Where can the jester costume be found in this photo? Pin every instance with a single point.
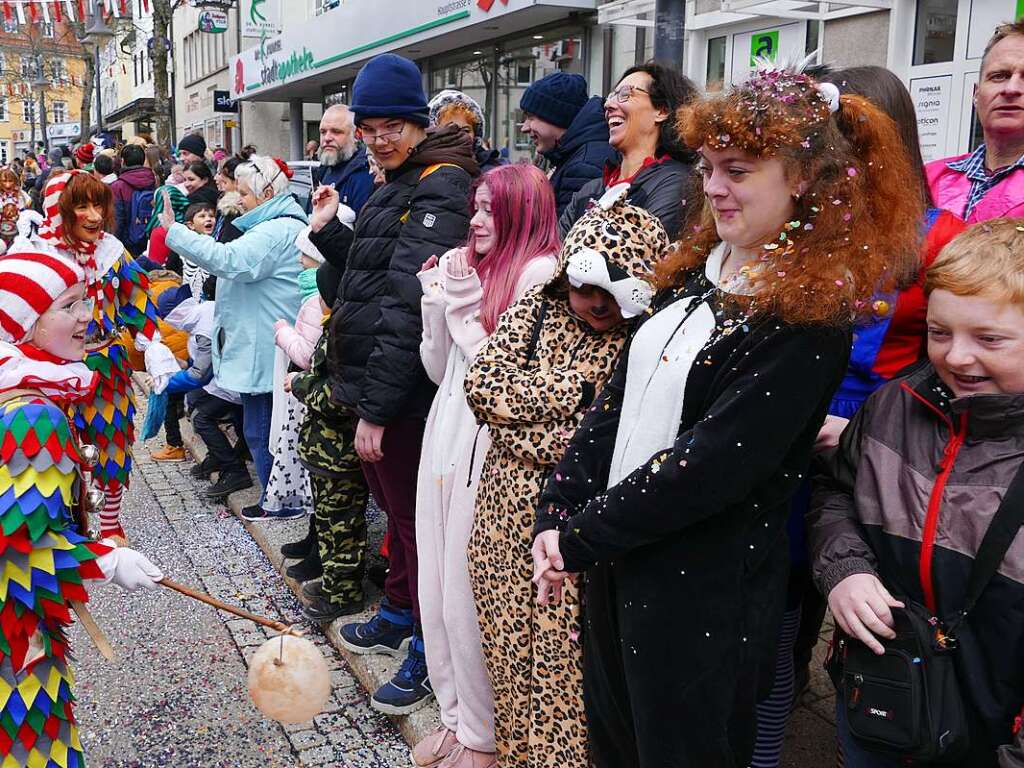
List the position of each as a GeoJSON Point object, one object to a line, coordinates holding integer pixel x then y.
{"type": "Point", "coordinates": [120, 289]}
{"type": "Point", "coordinates": [44, 564]}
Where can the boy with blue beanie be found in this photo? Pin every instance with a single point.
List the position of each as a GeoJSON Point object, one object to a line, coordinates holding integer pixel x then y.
{"type": "Point", "coordinates": [568, 128]}
{"type": "Point", "coordinates": [374, 333]}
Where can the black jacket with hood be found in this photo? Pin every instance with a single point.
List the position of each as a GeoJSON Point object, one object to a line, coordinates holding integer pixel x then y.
{"type": "Point", "coordinates": [375, 328]}
{"type": "Point", "coordinates": [580, 155]}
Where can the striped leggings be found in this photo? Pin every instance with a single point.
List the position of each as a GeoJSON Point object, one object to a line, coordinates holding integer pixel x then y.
{"type": "Point", "coordinates": [773, 712]}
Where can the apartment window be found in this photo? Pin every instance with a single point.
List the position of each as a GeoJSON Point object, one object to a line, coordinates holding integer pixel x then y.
{"type": "Point", "coordinates": [3, 63]}
{"type": "Point", "coordinates": [135, 70]}
{"type": "Point", "coordinates": [59, 110]}
{"type": "Point", "coordinates": [10, 27]}
{"type": "Point", "coordinates": [5, 152]}
{"type": "Point", "coordinates": [28, 110]}
{"type": "Point", "coordinates": [28, 67]}
{"type": "Point", "coordinates": [46, 28]}
{"type": "Point", "coordinates": [60, 71]}
{"type": "Point", "coordinates": [3, 110]}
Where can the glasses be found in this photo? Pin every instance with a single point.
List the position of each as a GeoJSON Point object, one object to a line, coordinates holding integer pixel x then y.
{"type": "Point", "coordinates": [387, 136]}
{"type": "Point", "coordinates": [624, 93]}
{"type": "Point", "coordinates": [81, 309]}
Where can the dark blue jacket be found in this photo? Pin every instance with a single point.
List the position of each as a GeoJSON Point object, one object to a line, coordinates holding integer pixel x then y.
{"type": "Point", "coordinates": [581, 153]}
{"type": "Point", "coordinates": [352, 179]}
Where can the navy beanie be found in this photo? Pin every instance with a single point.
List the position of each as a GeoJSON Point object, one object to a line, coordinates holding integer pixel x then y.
{"type": "Point", "coordinates": [193, 143]}
{"type": "Point", "coordinates": [390, 86]}
{"type": "Point", "coordinates": [556, 98]}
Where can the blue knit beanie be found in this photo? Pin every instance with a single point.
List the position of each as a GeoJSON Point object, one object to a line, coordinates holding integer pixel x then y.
{"type": "Point", "coordinates": [390, 86]}
{"type": "Point", "coordinates": [556, 98]}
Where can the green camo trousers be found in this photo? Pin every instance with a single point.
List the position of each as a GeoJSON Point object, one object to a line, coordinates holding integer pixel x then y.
{"type": "Point", "coordinates": [340, 519]}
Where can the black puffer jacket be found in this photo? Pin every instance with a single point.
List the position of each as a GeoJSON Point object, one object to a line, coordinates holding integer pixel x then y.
{"type": "Point", "coordinates": [375, 327]}
{"type": "Point", "coordinates": [580, 155]}
{"type": "Point", "coordinates": [658, 188]}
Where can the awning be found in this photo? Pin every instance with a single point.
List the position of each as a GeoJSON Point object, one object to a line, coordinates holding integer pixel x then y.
{"type": "Point", "coordinates": [139, 109]}
{"type": "Point", "coordinates": [332, 47]}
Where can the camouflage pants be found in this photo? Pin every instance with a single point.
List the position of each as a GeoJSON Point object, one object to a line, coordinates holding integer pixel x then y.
{"type": "Point", "coordinates": [340, 518]}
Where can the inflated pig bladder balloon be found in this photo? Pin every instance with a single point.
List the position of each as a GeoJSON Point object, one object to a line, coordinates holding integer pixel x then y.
{"type": "Point", "coordinates": [289, 680]}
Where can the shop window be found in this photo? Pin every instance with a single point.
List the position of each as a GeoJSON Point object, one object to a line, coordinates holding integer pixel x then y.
{"type": "Point", "coordinates": [935, 31]}
{"type": "Point", "coordinates": [715, 75]}
{"type": "Point", "coordinates": [524, 74]}
{"type": "Point", "coordinates": [813, 37]}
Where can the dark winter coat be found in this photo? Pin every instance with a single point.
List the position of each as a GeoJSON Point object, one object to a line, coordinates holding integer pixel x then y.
{"type": "Point", "coordinates": [686, 555]}
{"type": "Point", "coordinates": [375, 328]}
{"type": "Point", "coordinates": [130, 181]}
{"type": "Point", "coordinates": [658, 188]}
{"type": "Point", "coordinates": [943, 466]}
{"type": "Point", "coordinates": [487, 158]}
{"type": "Point", "coordinates": [352, 179]}
{"type": "Point", "coordinates": [580, 155]}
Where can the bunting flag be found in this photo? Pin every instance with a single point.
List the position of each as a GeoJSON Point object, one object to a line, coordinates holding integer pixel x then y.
{"type": "Point", "coordinates": [7, 12]}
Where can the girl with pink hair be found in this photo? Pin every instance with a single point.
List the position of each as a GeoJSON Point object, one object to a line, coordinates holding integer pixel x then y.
{"type": "Point", "coordinates": [513, 247]}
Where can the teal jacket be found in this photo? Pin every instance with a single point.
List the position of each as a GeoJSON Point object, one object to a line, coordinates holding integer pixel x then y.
{"type": "Point", "coordinates": [257, 284]}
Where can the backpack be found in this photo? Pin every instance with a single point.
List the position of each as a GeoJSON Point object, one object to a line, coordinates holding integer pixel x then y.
{"type": "Point", "coordinates": [140, 212]}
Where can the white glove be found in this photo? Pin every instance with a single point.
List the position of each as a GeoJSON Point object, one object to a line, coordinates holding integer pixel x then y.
{"type": "Point", "coordinates": [27, 221]}
{"type": "Point", "coordinates": [128, 568]}
{"type": "Point", "coordinates": [161, 364]}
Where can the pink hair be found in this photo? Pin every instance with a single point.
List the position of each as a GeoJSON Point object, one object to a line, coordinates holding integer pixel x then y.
{"type": "Point", "coordinates": [525, 227]}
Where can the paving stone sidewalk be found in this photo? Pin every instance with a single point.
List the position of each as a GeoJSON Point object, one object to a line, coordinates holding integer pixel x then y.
{"type": "Point", "coordinates": [177, 694]}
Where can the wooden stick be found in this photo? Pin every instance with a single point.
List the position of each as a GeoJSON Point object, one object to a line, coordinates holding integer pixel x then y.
{"type": "Point", "coordinates": [93, 630]}
{"type": "Point", "coordinates": [202, 597]}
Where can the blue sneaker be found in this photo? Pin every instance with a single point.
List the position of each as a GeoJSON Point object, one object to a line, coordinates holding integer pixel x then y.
{"type": "Point", "coordinates": [388, 632]}
{"type": "Point", "coordinates": [410, 688]}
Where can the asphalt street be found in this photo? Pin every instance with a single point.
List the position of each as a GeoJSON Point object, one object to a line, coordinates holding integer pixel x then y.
{"type": "Point", "coordinates": [176, 695]}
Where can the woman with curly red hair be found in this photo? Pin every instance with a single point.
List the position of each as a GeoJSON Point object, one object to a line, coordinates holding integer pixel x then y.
{"type": "Point", "coordinates": [673, 494]}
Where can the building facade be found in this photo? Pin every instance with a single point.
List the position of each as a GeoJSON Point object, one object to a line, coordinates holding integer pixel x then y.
{"type": "Point", "coordinates": [41, 83]}
{"type": "Point", "coordinates": [492, 49]}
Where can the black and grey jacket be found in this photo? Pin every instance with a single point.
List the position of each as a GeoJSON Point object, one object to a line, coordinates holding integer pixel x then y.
{"type": "Point", "coordinates": [659, 188]}
{"type": "Point", "coordinates": [376, 326]}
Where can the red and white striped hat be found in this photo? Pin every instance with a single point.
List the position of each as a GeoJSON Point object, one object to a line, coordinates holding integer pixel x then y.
{"type": "Point", "coordinates": [30, 282]}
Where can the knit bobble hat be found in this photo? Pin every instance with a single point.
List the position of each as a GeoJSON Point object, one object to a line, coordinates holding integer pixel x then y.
{"type": "Point", "coordinates": [193, 143]}
{"type": "Point", "coordinates": [30, 281]}
{"type": "Point", "coordinates": [390, 86]}
{"type": "Point", "coordinates": [449, 98]}
{"type": "Point", "coordinates": [556, 98]}
{"type": "Point", "coordinates": [85, 154]}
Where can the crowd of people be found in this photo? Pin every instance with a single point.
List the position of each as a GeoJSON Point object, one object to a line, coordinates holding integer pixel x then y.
{"type": "Point", "coordinates": [635, 420]}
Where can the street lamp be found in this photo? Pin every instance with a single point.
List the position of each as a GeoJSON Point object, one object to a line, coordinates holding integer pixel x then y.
{"type": "Point", "coordinates": [98, 33]}
{"type": "Point", "coordinates": [39, 85]}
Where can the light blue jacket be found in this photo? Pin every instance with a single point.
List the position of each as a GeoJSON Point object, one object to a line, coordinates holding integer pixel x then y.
{"type": "Point", "coordinates": [257, 284]}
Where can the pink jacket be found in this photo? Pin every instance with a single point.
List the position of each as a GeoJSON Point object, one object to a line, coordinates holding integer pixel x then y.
{"type": "Point", "coordinates": [298, 342]}
{"type": "Point", "coordinates": [950, 190]}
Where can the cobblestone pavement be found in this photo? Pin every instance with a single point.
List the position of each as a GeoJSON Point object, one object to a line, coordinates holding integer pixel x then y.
{"type": "Point", "coordinates": [176, 695]}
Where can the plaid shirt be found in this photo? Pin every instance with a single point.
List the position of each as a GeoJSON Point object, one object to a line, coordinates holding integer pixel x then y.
{"type": "Point", "coordinates": [973, 166]}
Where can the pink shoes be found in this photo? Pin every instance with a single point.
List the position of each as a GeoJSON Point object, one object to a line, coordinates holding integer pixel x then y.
{"type": "Point", "coordinates": [464, 757]}
{"type": "Point", "coordinates": [434, 748]}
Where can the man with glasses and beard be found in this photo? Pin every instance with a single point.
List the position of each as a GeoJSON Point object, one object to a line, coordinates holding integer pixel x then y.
{"type": "Point", "coordinates": [343, 163]}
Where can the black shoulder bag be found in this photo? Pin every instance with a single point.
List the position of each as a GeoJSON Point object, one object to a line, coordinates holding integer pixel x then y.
{"type": "Point", "coordinates": [907, 703]}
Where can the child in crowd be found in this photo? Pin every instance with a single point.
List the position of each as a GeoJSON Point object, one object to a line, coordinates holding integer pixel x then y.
{"type": "Point", "coordinates": [13, 200]}
{"type": "Point", "coordinates": [335, 476]}
{"type": "Point", "coordinates": [513, 247]}
{"type": "Point", "coordinates": [530, 385]}
{"type": "Point", "coordinates": [199, 217]}
{"type": "Point", "coordinates": [288, 486]}
{"type": "Point", "coordinates": [919, 474]}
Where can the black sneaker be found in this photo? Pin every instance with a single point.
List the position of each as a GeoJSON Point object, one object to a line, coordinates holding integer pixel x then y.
{"type": "Point", "coordinates": [323, 611]}
{"type": "Point", "coordinates": [228, 484]}
{"type": "Point", "coordinates": [306, 570]}
{"type": "Point", "coordinates": [389, 631]}
{"type": "Point", "coordinates": [254, 513]}
{"type": "Point", "coordinates": [410, 688]}
{"type": "Point", "coordinates": [311, 590]}
{"type": "Point", "coordinates": [304, 547]}
{"type": "Point", "coordinates": [204, 469]}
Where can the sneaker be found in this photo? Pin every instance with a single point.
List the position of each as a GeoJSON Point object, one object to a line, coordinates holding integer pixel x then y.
{"type": "Point", "coordinates": [409, 689]}
{"type": "Point", "coordinates": [311, 590]}
{"type": "Point", "coordinates": [389, 631]}
{"type": "Point", "coordinates": [204, 469]}
{"type": "Point", "coordinates": [227, 484]}
{"type": "Point", "coordinates": [324, 611]}
{"type": "Point", "coordinates": [302, 548]}
{"type": "Point", "coordinates": [169, 453]}
{"type": "Point", "coordinates": [306, 570]}
{"type": "Point", "coordinates": [255, 513]}
{"type": "Point", "coordinates": [432, 749]}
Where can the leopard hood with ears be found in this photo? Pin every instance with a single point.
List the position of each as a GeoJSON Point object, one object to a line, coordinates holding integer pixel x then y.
{"type": "Point", "coordinates": [614, 246]}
